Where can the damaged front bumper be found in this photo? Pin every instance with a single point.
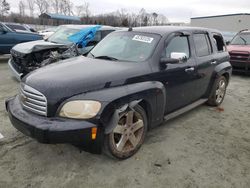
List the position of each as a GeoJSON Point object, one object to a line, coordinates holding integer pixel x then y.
{"type": "Point", "coordinates": [14, 71]}
{"type": "Point", "coordinates": [54, 130]}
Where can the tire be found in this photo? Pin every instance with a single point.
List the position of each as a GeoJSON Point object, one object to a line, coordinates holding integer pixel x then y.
{"type": "Point", "coordinates": [129, 134]}
{"type": "Point", "coordinates": [218, 91]}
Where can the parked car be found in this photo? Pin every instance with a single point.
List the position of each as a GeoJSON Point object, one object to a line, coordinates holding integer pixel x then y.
{"type": "Point", "coordinates": [239, 50]}
{"type": "Point", "coordinates": [46, 33]}
{"type": "Point", "coordinates": [228, 36]}
{"type": "Point", "coordinates": [16, 27]}
{"type": "Point", "coordinates": [132, 81]}
{"type": "Point", "coordinates": [27, 57]}
{"type": "Point", "coordinates": [10, 37]}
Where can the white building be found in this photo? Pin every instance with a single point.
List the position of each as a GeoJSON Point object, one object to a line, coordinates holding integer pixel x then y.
{"type": "Point", "coordinates": [229, 22]}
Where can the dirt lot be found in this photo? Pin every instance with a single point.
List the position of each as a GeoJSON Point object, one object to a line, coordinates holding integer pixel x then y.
{"type": "Point", "coordinates": [206, 147]}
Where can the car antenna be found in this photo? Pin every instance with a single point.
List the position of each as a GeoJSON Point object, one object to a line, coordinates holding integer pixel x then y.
{"type": "Point", "coordinates": [130, 29]}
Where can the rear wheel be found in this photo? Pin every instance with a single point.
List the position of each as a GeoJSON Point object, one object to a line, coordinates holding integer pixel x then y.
{"type": "Point", "coordinates": [128, 136]}
{"type": "Point", "coordinates": [218, 92]}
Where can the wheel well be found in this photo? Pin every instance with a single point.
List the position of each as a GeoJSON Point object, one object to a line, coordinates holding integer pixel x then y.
{"type": "Point", "coordinates": [226, 75]}
{"type": "Point", "coordinates": [145, 105]}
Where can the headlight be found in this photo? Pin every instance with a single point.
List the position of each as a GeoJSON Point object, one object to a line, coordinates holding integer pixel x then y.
{"type": "Point", "coordinates": [80, 109]}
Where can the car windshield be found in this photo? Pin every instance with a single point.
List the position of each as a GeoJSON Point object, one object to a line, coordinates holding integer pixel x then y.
{"type": "Point", "coordinates": [241, 39]}
{"type": "Point", "coordinates": [61, 35]}
{"type": "Point", "coordinates": [126, 46]}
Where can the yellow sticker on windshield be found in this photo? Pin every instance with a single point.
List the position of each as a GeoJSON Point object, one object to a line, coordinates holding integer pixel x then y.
{"type": "Point", "coordinates": [143, 38]}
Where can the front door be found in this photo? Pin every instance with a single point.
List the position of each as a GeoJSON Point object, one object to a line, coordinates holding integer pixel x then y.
{"type": "Point", "coordinates": [179, 79]}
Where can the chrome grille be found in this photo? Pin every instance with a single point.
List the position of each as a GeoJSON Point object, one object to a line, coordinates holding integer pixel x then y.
{"type": "Point", "coordinates": [239, 56]}
{"type": "Point", "coordinates": [32, 100]}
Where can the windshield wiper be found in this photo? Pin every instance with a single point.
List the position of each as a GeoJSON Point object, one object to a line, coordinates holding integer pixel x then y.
{"type": "Point", "coordinates": [106, 57]}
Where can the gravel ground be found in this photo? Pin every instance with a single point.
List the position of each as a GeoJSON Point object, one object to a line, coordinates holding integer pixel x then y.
{"type": "Point", "coordinates": [206, 147]}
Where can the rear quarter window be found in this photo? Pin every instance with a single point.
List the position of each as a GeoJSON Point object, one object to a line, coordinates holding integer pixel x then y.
{"type": "Point", "coordinates": [219, 42]}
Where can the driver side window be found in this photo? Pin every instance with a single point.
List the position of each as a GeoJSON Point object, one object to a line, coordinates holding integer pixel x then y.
{"type": "Point", "coordinates": [178, 44]}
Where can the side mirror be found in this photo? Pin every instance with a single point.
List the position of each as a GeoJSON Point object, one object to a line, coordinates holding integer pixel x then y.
{"type": "Point", "coordinates": [2, 30]}
{"type": "Point", "coordinates": [175, 58]}
{"type": "Point", "coordinates": [179, 56]}
{"type": "Point", "coordinates": [164, 61]}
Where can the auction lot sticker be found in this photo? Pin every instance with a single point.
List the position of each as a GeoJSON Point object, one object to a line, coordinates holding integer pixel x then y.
{"type": "Point", "coordinates": [143, 38]}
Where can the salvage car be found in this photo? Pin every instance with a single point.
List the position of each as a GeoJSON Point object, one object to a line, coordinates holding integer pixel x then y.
{"type": "Point", "coordinates": [27, 57]}
{"type": "Point", "coordinates": [132, 81]}
{"type": "Point", "coordinates": [46, 33]}
{"type": "Point", "coordinates": [10, 37]}
{"type": "Point", "coordinates": [239, 50]}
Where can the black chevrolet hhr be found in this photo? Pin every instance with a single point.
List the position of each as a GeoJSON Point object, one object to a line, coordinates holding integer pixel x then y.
{"type": "Point", "coordinates": [130, 82]}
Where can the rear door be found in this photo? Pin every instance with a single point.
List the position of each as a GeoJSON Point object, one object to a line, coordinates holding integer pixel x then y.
{"type": "Point", "coordinates": [205, 62]}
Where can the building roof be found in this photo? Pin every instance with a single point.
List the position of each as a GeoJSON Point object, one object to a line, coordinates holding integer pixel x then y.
{"type": "Point", "coordinates": [60, 17]}
{"type": "Point", "coordinates": [224, 15]}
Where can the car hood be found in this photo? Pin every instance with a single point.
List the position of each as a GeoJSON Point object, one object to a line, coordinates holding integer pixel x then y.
{"type": "Point", "coordinates": [239, 48]}
{"type": "Point", "coordinates": [77, 75]}
{"type": "Point", "coordinates": [35, 46]}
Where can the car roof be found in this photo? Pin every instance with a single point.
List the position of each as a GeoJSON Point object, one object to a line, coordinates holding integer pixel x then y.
{"type": "Point", "coordinates": [11, 23]}
{"type": "Point", "coordinates": [245, 31]}
{"type": "Point", "coordinates": [104, 27]}
{"type": "Point", "coordinates": [164, 30]}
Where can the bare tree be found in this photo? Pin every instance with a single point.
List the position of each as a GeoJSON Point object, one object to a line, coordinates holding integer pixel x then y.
{"type": "Point", "coordinates": [31, 6]}
{"type": "Point", "coordinates": [21, 6]}
{"type": "Point", "coordinates": [55, 4]}
{"type": "Point", "coordinates": [4, 7]}
{"type": "Point", "coordinates": [83, 10]}
{"type": "Point", "coordinates": [155, 15]}
{"type": "Point", "coordinates": [161, 19]}
{"type": "Point", "coordinates": [142, 15]}
{"type": "Point", "coordinates": [43, 6]}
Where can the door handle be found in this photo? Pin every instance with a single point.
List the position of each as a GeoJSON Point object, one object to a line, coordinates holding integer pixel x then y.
{"type": "Point", "coordinates": [213, 62]}
{"type": "Point", "coordinates": [191, 69]}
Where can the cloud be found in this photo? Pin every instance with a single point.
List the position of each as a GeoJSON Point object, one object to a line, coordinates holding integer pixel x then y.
{"type": "Point", "coordinates": [181, 10]}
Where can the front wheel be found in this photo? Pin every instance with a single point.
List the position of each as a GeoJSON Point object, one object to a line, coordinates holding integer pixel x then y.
{"type": "Point", "coordinates": [218, 92]}
{"type": "Point", "coordinates": [128, 136]}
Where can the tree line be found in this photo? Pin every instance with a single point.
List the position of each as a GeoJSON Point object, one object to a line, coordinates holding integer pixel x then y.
{"type": "Point", "coordinates": [29, 10]}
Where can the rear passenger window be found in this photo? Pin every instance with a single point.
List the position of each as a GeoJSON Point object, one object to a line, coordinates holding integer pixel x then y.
{"type": "Point", "coordinates": [219, 43]}
{"type": "Point", "coordinates": [202, 45]}
{"type": "Point", "coordinates": [177, 44]}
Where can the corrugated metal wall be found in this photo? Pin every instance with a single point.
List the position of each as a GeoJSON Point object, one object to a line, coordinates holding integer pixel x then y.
{"type": "Point", "coordinates": [232, 23]}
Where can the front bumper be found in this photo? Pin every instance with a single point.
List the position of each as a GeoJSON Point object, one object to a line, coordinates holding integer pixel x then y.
{"type": "Point", "coordinates": [54, 130]}
{"type": "Point", "coordinates": [238, 66]}
{"type": "Point", "coordinates": [15, 72]}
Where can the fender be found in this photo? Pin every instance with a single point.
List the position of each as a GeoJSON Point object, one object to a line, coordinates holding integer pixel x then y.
{"type": "Point", "coordinates": [219, 70]}
{"type": "Point", "coordinates": [152, 93]}
{"type": "Point", "coordinates": [222, 68]}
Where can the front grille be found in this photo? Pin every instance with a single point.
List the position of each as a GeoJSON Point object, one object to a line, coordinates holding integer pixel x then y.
{"type": "Point", "coordinates": [239, 56]}
{"type": "Point", "coordinates": [33, 101]}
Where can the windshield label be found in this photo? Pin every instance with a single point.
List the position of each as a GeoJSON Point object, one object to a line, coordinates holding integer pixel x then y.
{"type": "Point", "coordinates": [143, 38]}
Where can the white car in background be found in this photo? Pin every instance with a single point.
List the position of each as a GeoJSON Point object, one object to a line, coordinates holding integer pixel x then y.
{"type": "Point", "coordinates": [46, 33]}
